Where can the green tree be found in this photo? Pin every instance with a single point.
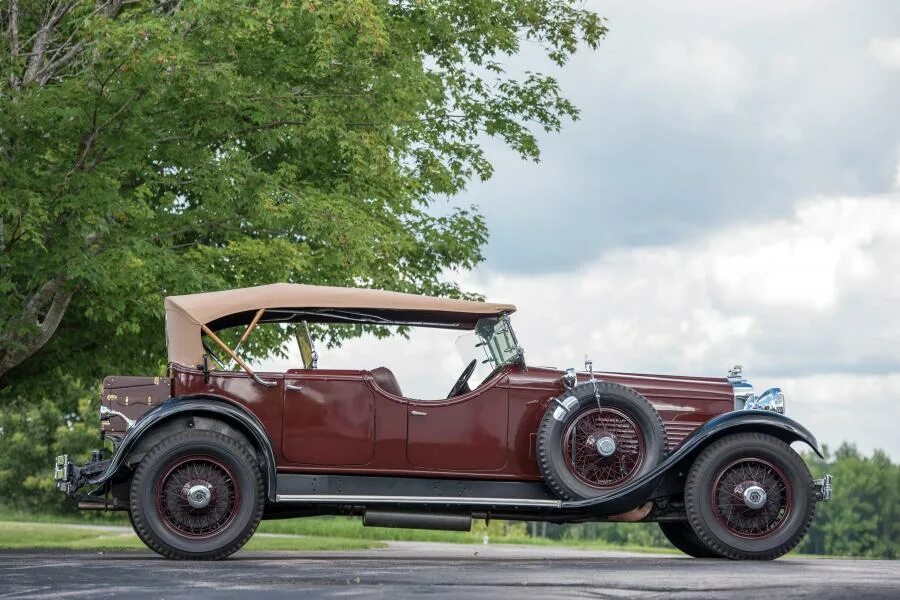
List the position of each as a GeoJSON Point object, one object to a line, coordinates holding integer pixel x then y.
{"type": "Point", "coordinates": [863, 519]}
{"type": "Point", "coordinates": [158, 147]}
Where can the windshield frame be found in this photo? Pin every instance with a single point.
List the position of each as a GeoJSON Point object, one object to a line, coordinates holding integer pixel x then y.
{"type": "Point", "coordinates": [498, 341]}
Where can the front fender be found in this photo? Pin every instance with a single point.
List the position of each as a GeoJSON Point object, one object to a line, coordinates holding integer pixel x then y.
{"type": "Point", "coordinates": [200, 405]}
{"type": "Point", "coordinates": [762, 421]}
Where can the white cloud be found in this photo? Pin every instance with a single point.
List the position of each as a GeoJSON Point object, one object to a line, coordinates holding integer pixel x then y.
{"type": "Point", "coordinates": [703, 76]}
{"type": "Point", "coordinates": [886, 51]}
{"type": "Point", "coordinates": [808, 303]}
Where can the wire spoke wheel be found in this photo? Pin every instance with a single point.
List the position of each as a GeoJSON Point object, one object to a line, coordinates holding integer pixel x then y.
{"type": "Point", "coordinates": [197, 497]}
{"type": "Point", "coordinates": [751, 498]}
{"type": "Point", "coordinates": [598, 437]}
{"type": "Point", "coordinates": [594, 464]}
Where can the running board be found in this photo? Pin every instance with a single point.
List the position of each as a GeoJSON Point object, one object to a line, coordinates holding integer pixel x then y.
{"type": "Point", "coordinates": [442, 500]}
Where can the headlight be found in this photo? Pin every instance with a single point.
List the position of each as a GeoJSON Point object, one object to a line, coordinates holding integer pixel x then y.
{"type": "Point", "coordinates": [771, 399]}
{"type": "Point", "coordinates": [569, 378]}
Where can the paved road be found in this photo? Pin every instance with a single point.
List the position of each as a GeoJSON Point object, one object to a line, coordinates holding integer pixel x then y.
{"type": "Point", "coordinates": [440, 571]}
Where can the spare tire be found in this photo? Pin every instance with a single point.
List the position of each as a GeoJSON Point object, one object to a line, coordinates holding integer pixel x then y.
{"type": "Point", "coordinates": [588, 448]}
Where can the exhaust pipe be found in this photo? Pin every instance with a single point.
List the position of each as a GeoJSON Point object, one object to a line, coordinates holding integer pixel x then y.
{"type": "Point", "coordinates": [102, 504]}
{"type": "Point", "coordinates": [409, 520]}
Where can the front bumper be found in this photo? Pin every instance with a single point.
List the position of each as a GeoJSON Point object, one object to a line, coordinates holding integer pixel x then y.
{"type": "Point", "coordinates": [823, 488]}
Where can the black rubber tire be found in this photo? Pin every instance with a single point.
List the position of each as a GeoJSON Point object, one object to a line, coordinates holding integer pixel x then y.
{"type": "Point", "coordinates": [682, 536]}
{"type": "Point", "coordinates": [160, 538]}
{"type": "Point", "coordinates": [551, 431]}
{"type": "Point", "coordinates": [699, 502]}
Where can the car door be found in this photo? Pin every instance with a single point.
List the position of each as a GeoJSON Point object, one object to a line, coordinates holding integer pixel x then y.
{"type": "Point", "coordinates": [466, 433]}
{"type": "Point", "coordinates": [329, 418]}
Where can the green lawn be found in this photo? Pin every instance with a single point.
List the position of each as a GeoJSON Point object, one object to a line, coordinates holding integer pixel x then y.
{"type": "Point", "coordinates": [26, 530]}
{"type": "Point", "coordinates": [15, 535]}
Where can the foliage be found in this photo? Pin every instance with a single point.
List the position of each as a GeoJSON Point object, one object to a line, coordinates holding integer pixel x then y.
{"type": "Point", "coordinates": [159, 147]}
{"type": "Point", "coordinates": [863, 518]}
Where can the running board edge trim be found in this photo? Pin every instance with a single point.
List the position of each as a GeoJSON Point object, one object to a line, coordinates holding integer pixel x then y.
{"type": "Point", "coordinates": [349, 499]}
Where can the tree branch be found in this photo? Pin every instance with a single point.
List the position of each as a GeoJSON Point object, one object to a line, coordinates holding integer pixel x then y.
{"type": "Point", "coordinates": [13, 29]}
{"type": "Point", "coordinates": [53, 67]}
{"type": "Point", "coordinates": [16, 347]}
{"type": "Point", "coordinates": [42, 40]}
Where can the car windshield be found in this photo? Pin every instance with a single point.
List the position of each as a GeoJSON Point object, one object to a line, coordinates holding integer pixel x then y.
{"type": "Point", "coordinates": [497, 340]}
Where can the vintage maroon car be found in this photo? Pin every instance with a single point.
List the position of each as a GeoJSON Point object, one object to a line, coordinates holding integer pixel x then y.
{"type": "Point", "coordinates": [202, 454]}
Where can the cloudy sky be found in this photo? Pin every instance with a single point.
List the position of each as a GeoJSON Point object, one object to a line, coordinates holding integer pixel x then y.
{"type": "Point", "coordinates": [731, 194]}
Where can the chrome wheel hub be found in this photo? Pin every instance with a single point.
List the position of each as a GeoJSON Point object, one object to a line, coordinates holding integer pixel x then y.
{"type": "Point", "coordinates": [198, 496]}
{"type": "Point", "coordinates": [606, 446]}
{"type": "Point", "coordinates": [754, 496]}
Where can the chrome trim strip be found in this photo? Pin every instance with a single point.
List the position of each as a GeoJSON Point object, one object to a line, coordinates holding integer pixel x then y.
{"type": "Point", "coordinates": [340, 499]}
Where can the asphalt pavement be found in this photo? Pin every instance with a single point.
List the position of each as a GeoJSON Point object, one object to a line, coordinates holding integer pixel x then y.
{"type": "Point", "coordinates": [412, 569]}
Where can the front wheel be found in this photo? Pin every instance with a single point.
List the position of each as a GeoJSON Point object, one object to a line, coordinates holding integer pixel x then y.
{"type": "Point", "coordinates": [197, 495]}
{"type": "Point", "coordinates": [749, 496]}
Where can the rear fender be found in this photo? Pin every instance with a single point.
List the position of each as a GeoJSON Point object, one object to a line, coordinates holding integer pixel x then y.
{"type": "Point", "coordinates": [152, 421]}
{"type": "Point", "coordinates": [761, 421]}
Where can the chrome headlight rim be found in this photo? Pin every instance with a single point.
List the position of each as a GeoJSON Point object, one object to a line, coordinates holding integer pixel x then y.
{"type": "Point", "coordinates": [771, 400]}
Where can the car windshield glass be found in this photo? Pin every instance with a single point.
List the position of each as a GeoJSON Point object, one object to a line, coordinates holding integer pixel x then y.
{"type": "Point", "coordinates": [497, 340]}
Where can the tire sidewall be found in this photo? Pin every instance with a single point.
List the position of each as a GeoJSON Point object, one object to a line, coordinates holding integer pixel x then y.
{"type": "Point", "coordinates": [144, 488]}
{"type": "Point", "coordinates": [552, 459]}
{"type": "Point", "coordinates": [708, 468]}
{"type": "Point", "coordinates": [682, 536]}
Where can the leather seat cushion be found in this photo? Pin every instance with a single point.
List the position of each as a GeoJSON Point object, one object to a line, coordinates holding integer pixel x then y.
{"type": "Point", "coordinates": [385, 379]}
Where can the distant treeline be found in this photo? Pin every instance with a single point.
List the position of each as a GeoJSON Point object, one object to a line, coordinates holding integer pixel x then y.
{"type": "Point", "coordinates": [862, 519]}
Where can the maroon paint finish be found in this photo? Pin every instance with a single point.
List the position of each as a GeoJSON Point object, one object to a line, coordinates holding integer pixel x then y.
{"type": "Point", "coordinates": [329, 418]}
{"type": "Point", "coordinates": [266, 403]}
{"type": "Point", "coordinates": [466, 433]}
{"type": "Point", "coordinates": [340, 421]}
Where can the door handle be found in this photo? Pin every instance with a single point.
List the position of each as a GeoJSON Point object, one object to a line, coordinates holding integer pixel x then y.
{"type": "Point", "coordinates": [293, 388]}
{"type": "Point", "coordinates": [418, 413]}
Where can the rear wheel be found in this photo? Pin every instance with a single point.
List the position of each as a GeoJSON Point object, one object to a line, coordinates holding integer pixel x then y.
{"type": "Point", "coordinates": [197, 495]}
{"type": "Point", "coordinates": [683, 537]}
{"type": "Point", "coordinates": [749, 496]}
{"type": "Point", "coordinates": [590, 445]}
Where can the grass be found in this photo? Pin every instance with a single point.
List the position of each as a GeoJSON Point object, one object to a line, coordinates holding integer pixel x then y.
{"type": "Point", "coordinates": [60, 536]}
{"type": "Point", "coordinates": [25, 530]}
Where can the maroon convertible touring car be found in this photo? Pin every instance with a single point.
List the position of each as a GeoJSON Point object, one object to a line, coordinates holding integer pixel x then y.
{"type": "Point", "coordinates": [201, 455]}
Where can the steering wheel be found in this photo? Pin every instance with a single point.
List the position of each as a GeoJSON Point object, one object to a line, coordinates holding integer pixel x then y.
{"type": "Point", "coordinates": [462, 384]}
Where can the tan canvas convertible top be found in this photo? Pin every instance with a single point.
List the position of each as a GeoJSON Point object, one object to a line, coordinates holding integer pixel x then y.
{"type": "Point", "coordinates": [188, 316]}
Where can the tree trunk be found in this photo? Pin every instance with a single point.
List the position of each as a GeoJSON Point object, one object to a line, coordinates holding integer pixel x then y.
{"type": "Point", "coordinates": [27, 333]}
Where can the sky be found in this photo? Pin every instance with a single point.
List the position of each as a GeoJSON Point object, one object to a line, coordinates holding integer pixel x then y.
{"type": "Point", "coordinates": [730, 195]}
